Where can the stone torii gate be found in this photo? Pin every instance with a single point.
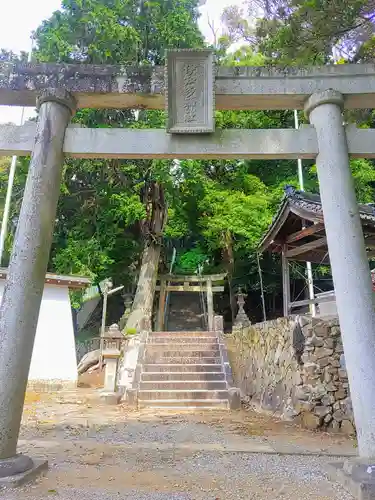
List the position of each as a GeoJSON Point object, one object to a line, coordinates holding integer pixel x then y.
{"type": "Point", "coordinates": [201, 284]}
{"type": "Point", "coordinates": [191, 88]}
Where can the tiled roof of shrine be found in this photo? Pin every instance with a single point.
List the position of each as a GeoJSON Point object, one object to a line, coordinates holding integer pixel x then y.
{"type": "Point", "coordinates": [297, 206]}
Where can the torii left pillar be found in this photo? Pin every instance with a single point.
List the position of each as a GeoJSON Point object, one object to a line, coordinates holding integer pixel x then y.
{"type": "Point", "coordinates": [20, 306]}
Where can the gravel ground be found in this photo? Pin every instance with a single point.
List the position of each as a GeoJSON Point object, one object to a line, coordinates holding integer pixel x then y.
{"type": "Point", "coordinates": [137, 432]}
{"type": "Point", "coordinates": [169, 476]}
{"type": "Point", "coordinates": [90, 454]}
{"type": "Point", "coordinates": [178, 432]}
{"type": "Point", "coordinates": [128, 494]}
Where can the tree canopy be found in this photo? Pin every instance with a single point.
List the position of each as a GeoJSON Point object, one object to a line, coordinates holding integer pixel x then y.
{"type": "Point", "coordinates": [305, 32]}
{"type": "Point", "coordinates": [217, 210]}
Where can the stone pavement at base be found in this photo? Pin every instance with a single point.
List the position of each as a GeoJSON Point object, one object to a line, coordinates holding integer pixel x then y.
{"type": "Point", "coordinates": [116, 453]}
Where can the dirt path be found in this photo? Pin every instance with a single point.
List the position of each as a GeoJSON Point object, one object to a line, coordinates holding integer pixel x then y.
{"type": "Point", "coordinates": [114, 452]}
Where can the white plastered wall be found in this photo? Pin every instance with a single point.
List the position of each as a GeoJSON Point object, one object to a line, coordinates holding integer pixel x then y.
{"type": "Point", "coordinates": [54, 354]}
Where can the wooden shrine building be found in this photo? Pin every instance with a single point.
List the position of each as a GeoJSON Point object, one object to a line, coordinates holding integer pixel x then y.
{"type": "Point", "coordinates": [298, 233]}
{"type": "Point", "coordinates": [204, 284]}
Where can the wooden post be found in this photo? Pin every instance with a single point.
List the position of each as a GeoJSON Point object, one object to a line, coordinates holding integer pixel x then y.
{"type": "Point", "coordinates": [28, 264]}
{"type": "Point", "coordinates": [286, 281]}
{"type": "Point", "coordinates": [162, 296]}
{"type": "Point", "coordinates": [107, 287]}
{"type": "Point", "coordinates": [210, 306]}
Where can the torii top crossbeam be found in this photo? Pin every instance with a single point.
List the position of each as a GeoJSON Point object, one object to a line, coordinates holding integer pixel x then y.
{"type": "Point", "coordinates": [105, 86]}
{"type": "Point", "coordinates": [191, 88]}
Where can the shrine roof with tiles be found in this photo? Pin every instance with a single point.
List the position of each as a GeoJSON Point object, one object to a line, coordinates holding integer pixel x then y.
{"type": "Point", "coordinates": [298, 226]}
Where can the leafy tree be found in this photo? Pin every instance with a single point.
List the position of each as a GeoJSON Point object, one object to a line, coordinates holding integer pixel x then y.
{"type": "Point", "coordinates": [110, 209]}
{"type": "Point", "coordinates": [111, 214]}
{"type": "Point", "coordinates": [305, 31]}
{"type": "Point", "coordinates": [10, 56]}
{"type": "Point", "coordinates": [118, 31]}
{"type": "Point", "coordinates": [16, 200]}
{"type": "Point", "coordinates": [191, 260]}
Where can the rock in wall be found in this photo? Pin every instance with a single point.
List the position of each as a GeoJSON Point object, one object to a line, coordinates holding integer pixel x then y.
{"type": "Point", "coordinates": [295, 366]}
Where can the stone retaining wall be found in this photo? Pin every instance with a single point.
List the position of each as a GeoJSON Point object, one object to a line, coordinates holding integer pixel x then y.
{"type": "Point", "coordinates": [295, 367]}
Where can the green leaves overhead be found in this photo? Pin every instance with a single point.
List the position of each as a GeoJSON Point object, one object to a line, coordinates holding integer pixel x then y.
{"type": "Point", "coordinates": [217, 197]}
{"type": "Point", "coordinates": [217, 210]}
{"type": "Point", "coordinates": [102, 204]}
{"type": "Point", "coordinates": [118, 31]}
{"type": "Point", "coordinates": [245, 216]}
{"type": "Point", "coordinates": [305, 32]}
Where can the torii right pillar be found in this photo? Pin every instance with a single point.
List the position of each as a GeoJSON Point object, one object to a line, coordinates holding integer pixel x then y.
{"type": "Point", "coordinates": [351, 274]}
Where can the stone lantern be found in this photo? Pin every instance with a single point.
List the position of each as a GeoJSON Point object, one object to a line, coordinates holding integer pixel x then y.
{"type": "Point", "coordinates": [128, 301]}
{"type": "Point", "coordinates": [111, 356]}
{"type": "Point", "coordinates": [242, 320]}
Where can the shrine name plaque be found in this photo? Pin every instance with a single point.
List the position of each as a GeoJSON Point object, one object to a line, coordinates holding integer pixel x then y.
{"type": "Point", "coordinates": [190, 93]}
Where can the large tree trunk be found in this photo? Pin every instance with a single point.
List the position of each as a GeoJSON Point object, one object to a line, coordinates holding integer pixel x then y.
{"type": "Point", "coordinates": [152, 229]}
{"type": "Point", "coordinates": [144, 296]}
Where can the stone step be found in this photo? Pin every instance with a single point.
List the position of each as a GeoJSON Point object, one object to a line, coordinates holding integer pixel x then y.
{"type": "Point", "coordinates": [193, 376]}
{"type": "Point", "coordinates": [146, 395]}
{"type": "Point", "coordinates": [183, 348]}
{"type": "Point", "coordinates": [182, 340]}
{"type": "Point", "coordinates": [184, 360]}
{"type": "Point", "coordinates": [183, 370]}
{"type": "Point", "coordinates": [188, 385]}
{"type": "Point", "coordinates": [178, 367]}
{"type": "Point", "coordinates": [181, 334]}
{"type": "Point", "coordinates": [188, 404]}
{"type": "Point", "coordinates": [189, 353]}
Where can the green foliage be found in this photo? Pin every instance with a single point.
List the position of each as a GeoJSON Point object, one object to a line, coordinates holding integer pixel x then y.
{"type": "Point", "coordinates": [364, 179]}
{"type": "Point", "coordinates": [217, 210]}
{"type": "Point", "coordinates": [102, 204]}
{"type": "Point", "coordinates": [189, 261]}
{"type": "Point", "coordinates": [118, 31]}
{"type": "Point", "coordinates": [305, 32]}
{"type": "Point", "coordinates": [17, 194]}
{"type": "Point", "coordinates": [363, 172]}
{"type": "Point", "coordinates": [245, 216]}
{"type": "Point", "coordinates": [244, 56]}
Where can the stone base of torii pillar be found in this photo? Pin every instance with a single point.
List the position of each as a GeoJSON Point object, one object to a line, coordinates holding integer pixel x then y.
{"type": "Point", "coordinates": [357, 475]}
{"type": "Point", "coordinates": [20, 469]}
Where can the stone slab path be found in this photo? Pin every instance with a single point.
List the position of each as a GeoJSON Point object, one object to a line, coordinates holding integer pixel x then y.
{"type": "Point", "coordinates": [101, 452]}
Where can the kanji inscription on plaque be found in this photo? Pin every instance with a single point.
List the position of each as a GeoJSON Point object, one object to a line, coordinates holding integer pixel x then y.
{"type": "Point", "coordinates": [190, 91]}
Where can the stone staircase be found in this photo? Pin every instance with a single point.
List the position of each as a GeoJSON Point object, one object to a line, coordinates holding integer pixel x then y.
{"type": "Point", "coordinates": [185, 312]}
{"type": "Point", "coordinates": [184, 370]}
